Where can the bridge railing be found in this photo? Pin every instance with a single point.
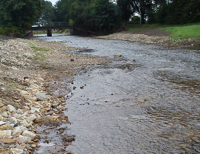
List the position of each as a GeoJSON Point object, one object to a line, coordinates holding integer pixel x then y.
{"type": "Point", "coordinates": [58, 24]}
{"type": "Point", "coordinates": [55, 24]}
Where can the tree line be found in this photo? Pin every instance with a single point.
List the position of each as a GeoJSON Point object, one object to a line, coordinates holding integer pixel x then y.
{"type": "Point", "coordinates": [98, 15]}
{"type": "Point", "coordinates": [106, 15]}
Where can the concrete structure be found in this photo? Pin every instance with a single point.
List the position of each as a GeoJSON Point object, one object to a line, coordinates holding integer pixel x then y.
{"type": "Point", "coordinates": [62, 25]}
{"type": "Point", "coordinates": [53, 25]}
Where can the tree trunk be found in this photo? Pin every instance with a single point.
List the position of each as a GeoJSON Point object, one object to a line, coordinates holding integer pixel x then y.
{"type": "Point", "coordinates": [142, 12]}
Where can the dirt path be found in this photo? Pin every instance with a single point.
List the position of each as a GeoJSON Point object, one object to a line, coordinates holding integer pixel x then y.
{"type": "Point", "coordinates": [151, 32]}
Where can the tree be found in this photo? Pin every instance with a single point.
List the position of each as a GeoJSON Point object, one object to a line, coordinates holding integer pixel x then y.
{"type": "Point", "coordinates": [106, 15]}
{"type": "Point", "coordinates": [93, 15]}
{"type": "Point", "coordinates": [20, 14]}
{"type": "Point", "coordinates": [126, 9]}
{"type": "Point", "coordinates": [141, 7]}
{"type": "Point", "coordinates": [47, 14]}
{"type": "Point", "coordinates": [178, 11]}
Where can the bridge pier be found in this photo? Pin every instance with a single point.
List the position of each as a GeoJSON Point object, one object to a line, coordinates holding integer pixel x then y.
{"type": "Point", "coordinates": [49, 32]}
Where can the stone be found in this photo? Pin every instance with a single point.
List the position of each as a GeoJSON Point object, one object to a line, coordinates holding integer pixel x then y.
{"type": "Point", "coordinates": [25, 123]}
{"type": "Point", "coordinates": [5, 133]}
{"type": "Point", "coordinates": [41, 96]}
{"type": "Point", "coordinates": [23, 92]}
{"type": "Point", "coordinates": [5, 114]}
{"type": "Point", "coordinates": [1, 118]}
{"type": "Point", "coordinates": [17, 131]}
{"type": "Point", "coordinates": [2, 123]}
{"type": "Point", "coordinates": [11, 108]}
{"type": "Point", "coordinates": [25, 139]}
{"type": "Point", "coordinates": [19, 111]}
{"type": "Point", "coordinates": [20, 147]}
{"type": "Point", "coordinates": [27, 95]}
{"type": "Point", "coordinates": [26, 107]}
{"type": "Point", "coordinates": [17, 151]}
{"type": "Point", "coordinates": [33, 145]}
{"type": "Point", "coordinates": [1, 105]}
{"type": "Point", "coordinates": [8, 141]}
{"type": "Point", "coordinates": [31, 118]}
{"type": "Point", "coordinates": [29, 134]}
{"type": "Point", "coordinates": [6, 126]}
{"type": "Point", "coordinates": [13, 119]}
{"type": "Point", "coordinates": [35, 109]}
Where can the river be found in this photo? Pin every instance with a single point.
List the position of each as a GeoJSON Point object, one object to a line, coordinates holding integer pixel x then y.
{"type": "Point", "coordinates": [147, 100]}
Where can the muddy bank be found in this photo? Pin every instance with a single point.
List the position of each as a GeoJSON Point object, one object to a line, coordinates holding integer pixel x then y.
{"type": "Point", "coordinates": [34, 78]}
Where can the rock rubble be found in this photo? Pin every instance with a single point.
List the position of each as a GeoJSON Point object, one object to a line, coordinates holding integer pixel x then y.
{"type": "Point", "coordinates": [34, 78]}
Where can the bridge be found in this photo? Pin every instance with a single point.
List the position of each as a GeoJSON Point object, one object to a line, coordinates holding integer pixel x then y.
{"type": "Point", "coordinates": [60, 25]}
{"type": "Point", "coordinates": [53, 25]}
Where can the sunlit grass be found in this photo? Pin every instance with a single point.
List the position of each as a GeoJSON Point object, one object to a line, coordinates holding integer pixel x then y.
{"type": "Point", "coordinates": [185, 31]}
{"type": "Point", "coordinates": [178, 31]}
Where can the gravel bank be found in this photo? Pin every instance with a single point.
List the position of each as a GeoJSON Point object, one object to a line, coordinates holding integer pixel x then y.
{"type": "Point", "coordinates": [153, 36]}
{"type": "Point", "coordinates": [34, 78]}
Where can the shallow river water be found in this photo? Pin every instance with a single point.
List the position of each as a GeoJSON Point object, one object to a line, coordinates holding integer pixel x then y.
{"type": "Point", "coordinates": [147, 100]}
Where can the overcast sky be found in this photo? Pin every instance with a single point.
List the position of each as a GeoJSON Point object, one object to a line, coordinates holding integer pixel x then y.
{"type": "Point", "coordinates": [52, 1]}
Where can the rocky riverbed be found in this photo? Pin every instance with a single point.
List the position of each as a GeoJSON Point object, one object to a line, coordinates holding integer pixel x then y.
{"type": "Point", "coordinates": [34, 78]}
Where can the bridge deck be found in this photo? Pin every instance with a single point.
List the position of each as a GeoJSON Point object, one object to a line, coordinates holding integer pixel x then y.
{"type": "Point", "coordinates": [54, 25]}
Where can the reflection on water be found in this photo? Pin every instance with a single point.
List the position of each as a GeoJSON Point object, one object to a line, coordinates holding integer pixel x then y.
{"type": "Point", "coordinates": [145, 101]}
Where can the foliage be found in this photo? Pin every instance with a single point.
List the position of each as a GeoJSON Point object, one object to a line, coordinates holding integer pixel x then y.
{"type": "Point", "coordinates": [126, 9]}
{"type": "Point", "coordinates": [48, 14]}
{"type": "Point", "coordinates": [161, 11]}
{"type": "Point", "coordinates": [179, 12]}
{"type": "Point", "coordinates": [135, 20]}
{"type": "Point", "coordinates": [93, 15]}
{"type": "Point", "coordinates": [18, 16]}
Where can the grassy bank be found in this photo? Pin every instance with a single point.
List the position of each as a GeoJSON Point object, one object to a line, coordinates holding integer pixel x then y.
{"type": "Point", "coordinates": [178, 31]}
{"type": "Point", "coordinates": [185, 31]}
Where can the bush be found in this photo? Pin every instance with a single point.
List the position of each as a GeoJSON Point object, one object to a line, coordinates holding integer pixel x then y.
{"type": "Point", "coordinates": [12, 31]}
{"type": "Point", "coordinates": [135, 20]}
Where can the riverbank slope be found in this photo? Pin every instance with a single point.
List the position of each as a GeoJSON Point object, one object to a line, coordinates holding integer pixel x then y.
{"type": "Point", "coordinates": [154, 36]}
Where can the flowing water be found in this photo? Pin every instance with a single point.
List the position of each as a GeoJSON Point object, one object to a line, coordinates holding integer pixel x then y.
{"type": "Point", "coordinates": [147, 100]}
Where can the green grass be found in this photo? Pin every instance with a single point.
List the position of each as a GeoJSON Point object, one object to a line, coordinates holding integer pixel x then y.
{"type": "Point", "coordinates": [38, 48]}
{"type": "Point", "coordinates": [39, 52]}
{"type": "Point", "coordinates": [185, 31]}
{"type": "Point", "coordinates": [178, 31]}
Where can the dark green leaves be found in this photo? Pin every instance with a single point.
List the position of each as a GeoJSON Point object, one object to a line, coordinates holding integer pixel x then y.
{"type": "Point", "coordinates": [20, 14]}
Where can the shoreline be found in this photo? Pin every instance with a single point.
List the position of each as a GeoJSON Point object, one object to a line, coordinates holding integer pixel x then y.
{"type": "Point", "coordinates": [163, 40]}
{"type": "Point", "coordinates": [35, 79]}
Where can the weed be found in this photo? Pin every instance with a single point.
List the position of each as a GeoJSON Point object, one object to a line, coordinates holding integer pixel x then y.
{"type": "Point", "coordinates": [39, 52]}
{"type": "Point", "coordinates": [15, 84]}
